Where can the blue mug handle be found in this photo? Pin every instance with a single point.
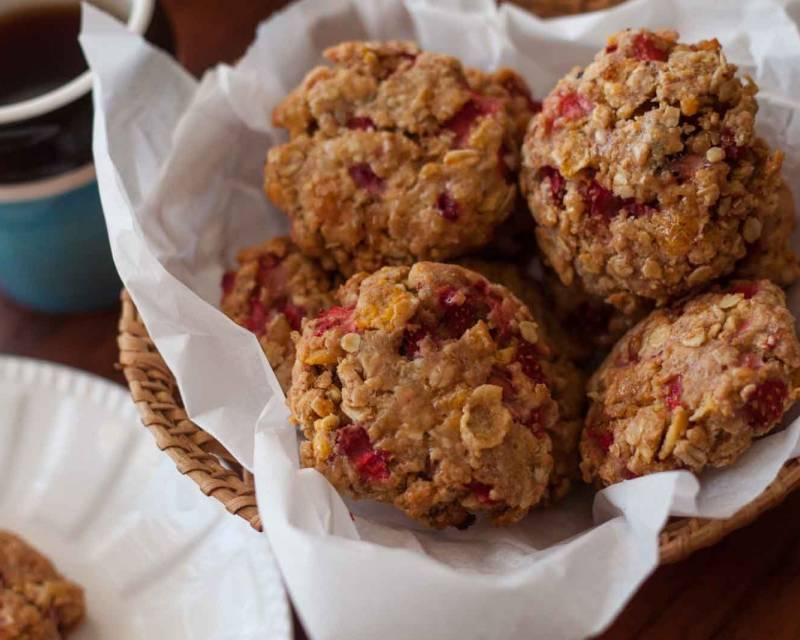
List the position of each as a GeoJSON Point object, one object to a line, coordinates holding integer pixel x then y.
{"type": "Point", "coordinates": [54, 250]}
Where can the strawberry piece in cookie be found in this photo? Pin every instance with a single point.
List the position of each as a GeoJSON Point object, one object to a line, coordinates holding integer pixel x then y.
{"type": "Point", "coordinates": [432, 389]}
{"type": "Point", "coordinates": [630, 172]}
{"type": "Point", "coordinates": [707, 381]}
{"type": "Point", "coordinates": [389, 148]}
{"type": "Point", "coordinates": [272, 290]}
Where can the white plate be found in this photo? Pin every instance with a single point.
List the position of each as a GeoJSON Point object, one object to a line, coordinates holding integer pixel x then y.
{"type": "Point", "coordinates": [84, 482]}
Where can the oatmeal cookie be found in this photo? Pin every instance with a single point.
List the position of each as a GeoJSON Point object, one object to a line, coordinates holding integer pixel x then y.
{"type": "Point", "coordinates": [772, 257]}
{"type": "Point", "coordinates": [592, 325]}
{"type": "Point", "coordinates": [431, 389]}
{"type": "Point", "coordinates": [397, 155]}
{"type": "Point", "coordinates": [570, 397]}
{"type": "Point", "coordinates": [36, 602]}
{"type": "Point", "coordinates": [517, 279]}
{"type": "Point", "coordinates": [643, 170]}
{"type": "Point", "coordinates": [692, 385]}
{"type": "Point", "coordinates": [581, 326]}
{"type": "Point", "coordinates": [511, 240]}
{"type": "Point", "coordinates": [270, 293]}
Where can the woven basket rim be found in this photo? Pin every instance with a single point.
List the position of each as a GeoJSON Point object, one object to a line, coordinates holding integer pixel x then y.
{"type": "Point", "coordinates": [199, 456]}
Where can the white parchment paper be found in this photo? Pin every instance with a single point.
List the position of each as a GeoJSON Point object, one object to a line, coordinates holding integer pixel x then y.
{"type": "Point", "coordinates": [180, 171]}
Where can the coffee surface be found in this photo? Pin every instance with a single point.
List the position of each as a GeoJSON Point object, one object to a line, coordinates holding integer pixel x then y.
{"type": "Point", "coordinates": [39, 52]}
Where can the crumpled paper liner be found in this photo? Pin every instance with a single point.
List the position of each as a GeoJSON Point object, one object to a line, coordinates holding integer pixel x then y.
{"type": "Point", "coordinates": [180, 171]}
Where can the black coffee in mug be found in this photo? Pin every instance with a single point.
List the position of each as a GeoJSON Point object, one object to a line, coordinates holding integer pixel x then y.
{"type": "Point", "coordinates": [39, 52]}
{"type": "Point", "coordinates": [54, 247]}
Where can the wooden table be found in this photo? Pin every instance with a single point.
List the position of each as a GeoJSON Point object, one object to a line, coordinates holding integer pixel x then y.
{"type": "Point", "coordinates": [746, 587]}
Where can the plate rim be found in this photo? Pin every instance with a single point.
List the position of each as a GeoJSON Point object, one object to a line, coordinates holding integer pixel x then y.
{"type": "Point", "coordinates": [107, 394]}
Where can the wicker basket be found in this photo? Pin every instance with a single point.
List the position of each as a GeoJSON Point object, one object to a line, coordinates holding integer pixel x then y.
{"type": "Point", "coordinates": [216, 472]}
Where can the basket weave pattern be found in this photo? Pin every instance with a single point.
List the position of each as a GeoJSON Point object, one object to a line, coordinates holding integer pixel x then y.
{"type": "Point", "coordinates": [155, 393]}
{"type": "Point", "coordinates": [199, 456]}
{"type": "Point", "coordinates": [216, 472]}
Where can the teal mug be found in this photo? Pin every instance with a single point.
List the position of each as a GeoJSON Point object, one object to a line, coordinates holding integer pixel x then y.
{"type": "Point", "coordinates": [54, 250]}
{"type": "Point", "coordinates": [54, 253]}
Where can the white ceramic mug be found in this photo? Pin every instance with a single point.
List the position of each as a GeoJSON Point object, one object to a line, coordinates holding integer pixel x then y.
{"type": "Point", "coordinates": [54, 253]}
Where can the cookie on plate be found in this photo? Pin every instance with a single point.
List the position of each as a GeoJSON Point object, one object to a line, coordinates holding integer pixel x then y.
{"type": "Point", "coordinates": [272, 290]}
{"type": "Point", "coordinates": [644, 172]}
{"type": "Point", "coordinates": [431, 389]}
{"type": "Point", "coordinates": [692, 385]}
{"type": "Point", "coordinates": [397, 155]}
{"type": "Point", "coordinates": [36, 602]}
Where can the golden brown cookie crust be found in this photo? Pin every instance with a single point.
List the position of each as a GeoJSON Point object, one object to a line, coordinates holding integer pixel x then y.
{"type": "Point", "coordinates": [772, 257]}
{"type": "Point", "coordinates": [36, 602]}
{"type": "Point", "coordinates": [396, 155]}
{"type": "Point", "coordinates": [431, 389]}
{"type": "Point", "coordinates": [592, 325]}
{"type": "Point", "coordinates": [692, 385]}
{"type": "Point", "coordinates": [570, 394]}
{"type": "Point", "coordinates": [273, 289]}
{"type": "Point", "coordinates": [643, 170]}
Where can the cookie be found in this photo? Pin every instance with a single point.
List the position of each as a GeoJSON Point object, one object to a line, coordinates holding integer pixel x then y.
{"type": "Point", "coordinates": [512, 240]}
{"type": "Point", "coordinates": [36, 602]}
{"type": "Point", "coordinates": [643, 170]}
{"type": "Point", "coordinates": [396, 155]}
{"type": "Point", "coordinates": [273, 289]}
{"type": "Point", "coordinates": [431, 389]}
{"type": "Point", "coordinates": [592, 325]}
{"type": "Point", "coordinates": [569, 397]}
{"type": "Point", "coordinates": [580, 325]}
{"type": "Point", "coordinates": [692, 385]}
{"type": "Point", "coordinates": [772, 256]}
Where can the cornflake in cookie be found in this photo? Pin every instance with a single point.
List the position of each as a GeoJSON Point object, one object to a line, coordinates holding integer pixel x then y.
{"type": "Point", "coordinates": [692, 385]}
{"type": "Point", "coordinates": [569, 383]}
{"type": "Point", "coordinates": [36, 602]}
{"type": "Point", "coordinates": [643, 170]}
{"type": "Point", "coordinates": [397, 155]}
{"type": "Point", "coordinates": [273, 289]}
{"type": "Point", "coordinates": [431, 389]}
{"type": "Point", "coordinates": [581, 326]}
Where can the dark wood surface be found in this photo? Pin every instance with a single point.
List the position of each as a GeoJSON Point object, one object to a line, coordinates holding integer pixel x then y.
{"type": "Point", "coordinates": [746, 587]}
